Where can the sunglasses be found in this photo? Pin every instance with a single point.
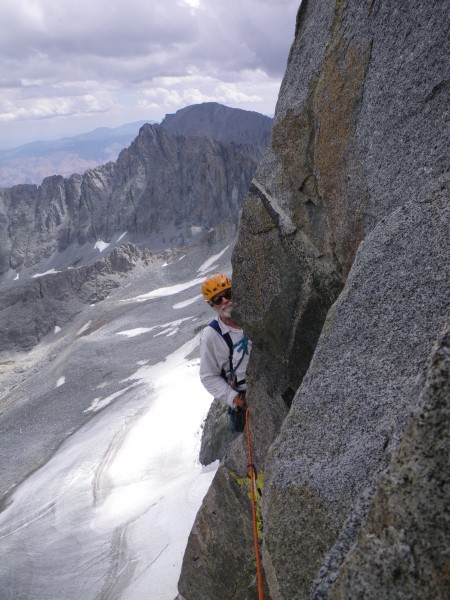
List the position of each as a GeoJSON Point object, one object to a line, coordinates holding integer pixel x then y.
{"type": "Point", "coordinates": [217, 300]}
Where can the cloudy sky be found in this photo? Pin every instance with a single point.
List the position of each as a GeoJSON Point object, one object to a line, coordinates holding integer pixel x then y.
{"type": "Point", "coordinates": [69, 66]}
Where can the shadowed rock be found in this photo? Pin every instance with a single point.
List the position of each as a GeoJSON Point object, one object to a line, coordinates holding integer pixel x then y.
{"type": "Point", "coordinates": [217, 434]}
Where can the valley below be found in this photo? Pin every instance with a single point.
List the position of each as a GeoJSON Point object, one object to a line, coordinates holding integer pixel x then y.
{"type": "Point", "coordinates": [100, 432]}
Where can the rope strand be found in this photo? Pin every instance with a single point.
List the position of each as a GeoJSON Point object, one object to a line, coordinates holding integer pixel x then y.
{"type": "Point", "coordinates": [255, 527]}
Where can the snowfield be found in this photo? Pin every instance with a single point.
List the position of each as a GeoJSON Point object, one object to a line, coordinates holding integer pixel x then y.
{"type": "Point", "coordinates": [108, 514]}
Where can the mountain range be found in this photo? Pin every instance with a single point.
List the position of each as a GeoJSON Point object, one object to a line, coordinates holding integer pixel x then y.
{"type": "Point", "coordinates": [32, 162]}
{"type": "Point", "coordinates": [163, 190]}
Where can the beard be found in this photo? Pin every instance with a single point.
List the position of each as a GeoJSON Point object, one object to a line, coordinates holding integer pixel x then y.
{"type": "Point", "coordinates": [225, 311]}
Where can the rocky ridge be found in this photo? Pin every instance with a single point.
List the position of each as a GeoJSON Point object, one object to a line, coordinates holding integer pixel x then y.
{"type": "Point", "coordinates": [32, 162]}
{"type": "Point", "coordinates": [340, 277]}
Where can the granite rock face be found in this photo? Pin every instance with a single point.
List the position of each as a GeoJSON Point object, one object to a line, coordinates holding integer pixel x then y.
{"type": "Point", "coordinates": [362, 384]}
{"type": "Point", "coordinates": [358, 131]}
{"type": "Point", "coordinates": [409, 556]}
{"type": "Point", "coordinates": [341, 279]}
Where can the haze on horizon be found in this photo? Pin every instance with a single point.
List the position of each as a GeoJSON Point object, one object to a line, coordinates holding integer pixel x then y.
{"type": "Point", "coordinates": [69, 68]}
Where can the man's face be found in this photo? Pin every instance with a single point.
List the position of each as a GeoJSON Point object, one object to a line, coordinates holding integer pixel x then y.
{"type": "Point", "coordinates": [225, 306]}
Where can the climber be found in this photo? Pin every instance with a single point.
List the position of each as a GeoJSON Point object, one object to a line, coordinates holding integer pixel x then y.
{"type": "Point", "coordinates": [224, 351]}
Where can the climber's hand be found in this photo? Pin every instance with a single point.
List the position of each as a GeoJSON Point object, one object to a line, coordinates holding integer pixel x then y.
{"type": "Point", "coordinates": [238, 401]}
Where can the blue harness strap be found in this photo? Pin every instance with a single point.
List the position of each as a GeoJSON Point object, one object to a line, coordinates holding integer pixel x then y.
{"type": "Point", "coordinates": [241, 346]}
{"type": "Point", "coordinates": [236, 417]}
{"type": "Point", "coordinates": [227, 337]}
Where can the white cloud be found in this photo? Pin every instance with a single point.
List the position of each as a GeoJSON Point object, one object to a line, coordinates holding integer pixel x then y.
{"type": "Point", "coordinates": [251, 89]}
{"type": "Point", "coordinates": [50, 107]}
{"type": "Point", "coordinates": [193, 3]}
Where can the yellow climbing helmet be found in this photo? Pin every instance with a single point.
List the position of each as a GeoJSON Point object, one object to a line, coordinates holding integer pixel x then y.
{"type": "Point", "coordinates": [214, 284]}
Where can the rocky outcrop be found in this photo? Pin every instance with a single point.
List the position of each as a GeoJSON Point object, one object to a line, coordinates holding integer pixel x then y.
{"type": "Point", "coordinates": [162, 190]}
{"type": "Point", "coordinates": [30, 311]}
{"type": "Point", "coordinates": [340, 277]}
{"type": "Point", "coordinates": [204, 576]}
{"type": "Point", "coordinates": [216, 436]}
{"type": "Point", "coordinates": [36, 221]}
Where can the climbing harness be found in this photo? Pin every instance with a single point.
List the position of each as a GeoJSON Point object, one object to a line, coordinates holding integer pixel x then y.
{"type": "Point", "coordinates": [252, 476]}
{"type": "Point", "coordinates": [236, 416]}
{"type": "Point", "coordinates": [241, 346]}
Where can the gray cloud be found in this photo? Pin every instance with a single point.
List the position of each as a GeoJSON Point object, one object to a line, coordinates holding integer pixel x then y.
{"type": "Point", "coordinates": [59, 55]}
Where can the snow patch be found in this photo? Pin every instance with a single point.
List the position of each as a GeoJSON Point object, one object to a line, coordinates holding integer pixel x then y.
{"type": "Point", "coordinates": [16, 277]}
{"type": "Point", "coordinates": [171, 328]}
{"type": "Point", "coordinates": [61, 381]}
{"type": "Point", "coordinates": [122, 236]}
{"type": "Point", "coordinates": [50, 272]}
{"type": "Point", "coordinates": [100, 245]}
{"type": "Point", "coordinates": [97, 404]}
{"type": "Point", "coordinates": [168, 328]}
{"type": "Point", "coordinates": [135, 332]}
{"type": "Point", "coordinates": [207, 264]}
{"type": "Point", "coordinates": [166, 291]}
{"type": "Point", "coordinates": [57, 329]}
{"type": "Point", "coordinates": [187, 302]}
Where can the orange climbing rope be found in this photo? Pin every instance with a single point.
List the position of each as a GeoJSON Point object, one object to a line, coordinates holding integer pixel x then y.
{"type": "Point", "coordinates": [251, 475]}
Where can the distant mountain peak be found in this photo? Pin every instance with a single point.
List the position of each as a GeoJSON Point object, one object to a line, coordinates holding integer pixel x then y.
{"type": "Point", "coordinates": [225, 124]}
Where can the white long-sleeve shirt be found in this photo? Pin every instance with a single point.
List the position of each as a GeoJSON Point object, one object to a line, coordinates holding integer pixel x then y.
{"type": "Point", "coordinates": [214, 354]}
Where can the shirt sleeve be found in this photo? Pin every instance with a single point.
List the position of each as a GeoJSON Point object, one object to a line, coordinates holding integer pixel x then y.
{"type": "Point", "coordinates": [213, 354]}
